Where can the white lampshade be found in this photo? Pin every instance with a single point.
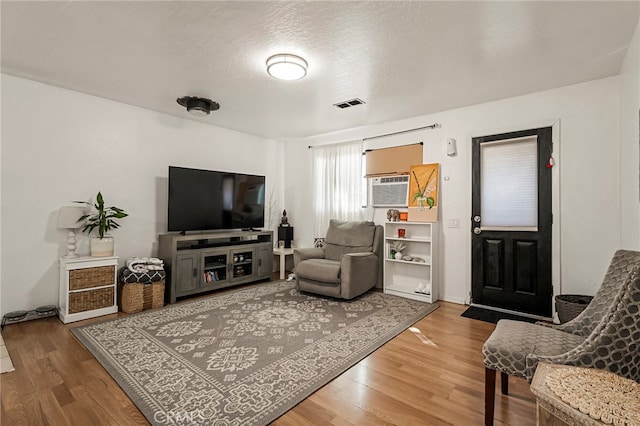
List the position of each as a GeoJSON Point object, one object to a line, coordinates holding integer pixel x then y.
{"type": "Point", "coordinates": [286, 67]}
{"type": "Point", "coordinates": [68, 217]}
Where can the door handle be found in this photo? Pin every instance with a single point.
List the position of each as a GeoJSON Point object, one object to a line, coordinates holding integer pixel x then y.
{"type": "Point", "coordinates": [477, 230]}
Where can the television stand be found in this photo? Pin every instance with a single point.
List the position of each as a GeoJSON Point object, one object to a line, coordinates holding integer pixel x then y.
{"type": "Point", "coordinates": [197, 263]}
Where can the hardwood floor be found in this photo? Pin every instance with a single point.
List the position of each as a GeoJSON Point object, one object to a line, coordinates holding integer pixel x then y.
{"type": "Point", "coordinates": [431, 377]}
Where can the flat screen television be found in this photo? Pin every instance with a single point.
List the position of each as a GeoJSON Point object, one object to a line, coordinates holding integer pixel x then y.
{"type": "Point", "coordinates": [201, 200]}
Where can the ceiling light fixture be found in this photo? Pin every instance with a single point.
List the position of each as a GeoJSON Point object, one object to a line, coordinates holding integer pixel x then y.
{"type": "Point", "coordinates": [286, 67]}
{"type": "Point", "coordinates": [198, 106]}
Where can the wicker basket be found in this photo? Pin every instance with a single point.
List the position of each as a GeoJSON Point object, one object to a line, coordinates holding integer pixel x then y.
{"type": "Point", "coordinates": [136, 297]}
{"type": "Point", "coordinates": [91, 277]}
{"type": "Point", "coordinates": [91, 299]}
{"type": "Point", "coordinates": [570, 306]}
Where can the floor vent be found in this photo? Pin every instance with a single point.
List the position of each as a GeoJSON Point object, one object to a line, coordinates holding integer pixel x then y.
{"type": "Point", "coordinates": [349, 103]}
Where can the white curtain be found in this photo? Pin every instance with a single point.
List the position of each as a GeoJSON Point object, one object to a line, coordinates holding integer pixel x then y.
{"type": "Point", "coordinates": [337, 183]}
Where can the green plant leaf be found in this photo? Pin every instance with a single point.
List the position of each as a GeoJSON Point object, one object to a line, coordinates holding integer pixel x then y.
{"type": "Point", "coordinates": [103, 218]}
{"type": "Point", "coordinates": [431, 202]}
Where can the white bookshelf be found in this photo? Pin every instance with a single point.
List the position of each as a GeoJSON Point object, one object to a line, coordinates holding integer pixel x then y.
{"type": "Point", "coordinates": [403, 277]}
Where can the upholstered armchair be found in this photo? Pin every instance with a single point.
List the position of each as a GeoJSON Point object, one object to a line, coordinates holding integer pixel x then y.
{"type": "Point", "coordinates": [606, 335]}
{"type": "Point", "coordinates": [349, 264]}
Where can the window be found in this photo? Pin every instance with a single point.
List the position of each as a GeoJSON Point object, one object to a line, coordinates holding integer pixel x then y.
{"type": "Point", "coordinates": [509, 183]}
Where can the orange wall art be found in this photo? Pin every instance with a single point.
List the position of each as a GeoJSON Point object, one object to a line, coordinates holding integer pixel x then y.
{"type": "Point", "coordinates": [423, 192]}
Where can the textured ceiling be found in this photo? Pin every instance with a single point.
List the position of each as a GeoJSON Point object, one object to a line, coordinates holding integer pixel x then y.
{"type": "Point", "coordinates": [402, 58]}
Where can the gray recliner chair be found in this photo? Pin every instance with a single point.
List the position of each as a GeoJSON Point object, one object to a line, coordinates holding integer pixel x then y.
{"type": "Point", "coordinates": [349, 264]}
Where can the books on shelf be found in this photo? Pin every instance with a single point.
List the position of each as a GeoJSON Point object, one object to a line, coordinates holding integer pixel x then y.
{"type": "Point", "coordinates": [211, 276]}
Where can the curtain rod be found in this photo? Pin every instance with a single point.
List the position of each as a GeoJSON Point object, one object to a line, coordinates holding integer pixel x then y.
{"type": "Point", "coordinates": [431, 126]}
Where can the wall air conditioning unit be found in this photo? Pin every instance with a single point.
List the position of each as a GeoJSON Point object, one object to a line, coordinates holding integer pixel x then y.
{"type": "Point", "coordinates": [390, 191]}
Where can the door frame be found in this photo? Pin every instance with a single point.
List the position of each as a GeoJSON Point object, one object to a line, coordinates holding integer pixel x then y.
{"type": "Point", "coordinates": [556, 237]}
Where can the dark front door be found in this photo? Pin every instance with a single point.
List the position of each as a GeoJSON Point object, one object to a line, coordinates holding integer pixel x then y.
{"type": "Point", "coordinates": [511, 221]}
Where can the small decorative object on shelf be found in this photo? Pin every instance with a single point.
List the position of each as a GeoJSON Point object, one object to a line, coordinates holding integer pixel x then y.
{"type": "Point", "coordinates": [423, 288]}
{"type": "Point", "coordinates": [404, 216]}
{"type": "Point", "coordinates": [285, 220]}
{"type": "Point", "coordinates": [393, 215]}
{"type": "Point", "coordinates": [396, 248]}
{"type": "Point", "coordinates": [402, 232]}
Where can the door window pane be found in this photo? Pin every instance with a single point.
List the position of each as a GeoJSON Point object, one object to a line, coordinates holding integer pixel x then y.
{"type": "Point", "coordinates": [509, 183]}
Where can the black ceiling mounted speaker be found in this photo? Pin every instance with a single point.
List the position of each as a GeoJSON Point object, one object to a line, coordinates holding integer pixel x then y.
{"type": "Point", "coordinates": [198, 106]}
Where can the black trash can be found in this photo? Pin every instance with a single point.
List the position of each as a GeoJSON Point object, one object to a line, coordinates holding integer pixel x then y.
{"type": "Point", "coordinates": [570, 306]}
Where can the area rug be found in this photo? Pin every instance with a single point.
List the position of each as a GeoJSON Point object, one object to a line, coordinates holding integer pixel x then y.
{"type": "Point", "coordinates": [243, 357]}
{"type": "Point", "coordinates": [489, 315]}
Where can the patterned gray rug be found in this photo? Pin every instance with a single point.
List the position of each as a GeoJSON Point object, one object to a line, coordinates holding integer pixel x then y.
{"type": "Point", "coordinates": [243, 357]}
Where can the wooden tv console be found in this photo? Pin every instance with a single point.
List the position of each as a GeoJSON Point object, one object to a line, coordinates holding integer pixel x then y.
{"type": "Point", "coordinates": [197, 263]}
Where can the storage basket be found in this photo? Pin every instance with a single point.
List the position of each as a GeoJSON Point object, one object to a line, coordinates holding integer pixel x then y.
{"type": "Point", "coordinates": [570, 306]}
{"type": "Point", "coordinates": [91, 299]}
{"type": "Point", "coordinates": [91, 277]}
{"type": "Point", "coordinates": [136, 297]}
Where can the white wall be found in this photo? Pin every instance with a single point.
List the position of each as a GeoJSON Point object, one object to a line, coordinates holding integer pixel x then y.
{"type": "Point", "coordinates": [66, 145]}
{"type": "Point", "coordinates": [587, 160]}
{"type": "Point", "coordinates": [630, 145]}
{"type": "Point", "coordinates": [59, 145]}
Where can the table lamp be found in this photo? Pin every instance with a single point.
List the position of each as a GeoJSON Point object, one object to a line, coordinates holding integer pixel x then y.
{"type": "Point", "coordinates": [68, 219]}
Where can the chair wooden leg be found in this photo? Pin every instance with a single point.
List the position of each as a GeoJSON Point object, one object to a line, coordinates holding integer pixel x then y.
{"type": "Point", "coordinates": [504, 382]}
{"type": "Point", "coordinates": [489, 395]}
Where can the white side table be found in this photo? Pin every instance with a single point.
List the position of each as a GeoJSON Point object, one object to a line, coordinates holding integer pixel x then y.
{"type": "Point", "coordinates": [87, 287]}
{"type": "Point", "coordinates": [282, 253]}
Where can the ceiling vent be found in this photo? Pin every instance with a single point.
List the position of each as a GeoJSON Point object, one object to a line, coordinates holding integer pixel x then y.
{"type": "Point", "coordinates": [349, 103]}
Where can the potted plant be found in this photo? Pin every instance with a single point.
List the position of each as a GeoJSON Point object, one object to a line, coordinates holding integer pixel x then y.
{"type": "Point", "coordinates": [103, 220]}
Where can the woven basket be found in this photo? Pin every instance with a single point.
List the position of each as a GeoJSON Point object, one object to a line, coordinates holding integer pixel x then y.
{"type": "Point", "coordinates": [91, 277]}
{"type": "Point", "coordinates": [136, 297]}
{"type": "Point", "coordinates": [570, 306]}
{"type": "Point", "coordinates": [91, 299]}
